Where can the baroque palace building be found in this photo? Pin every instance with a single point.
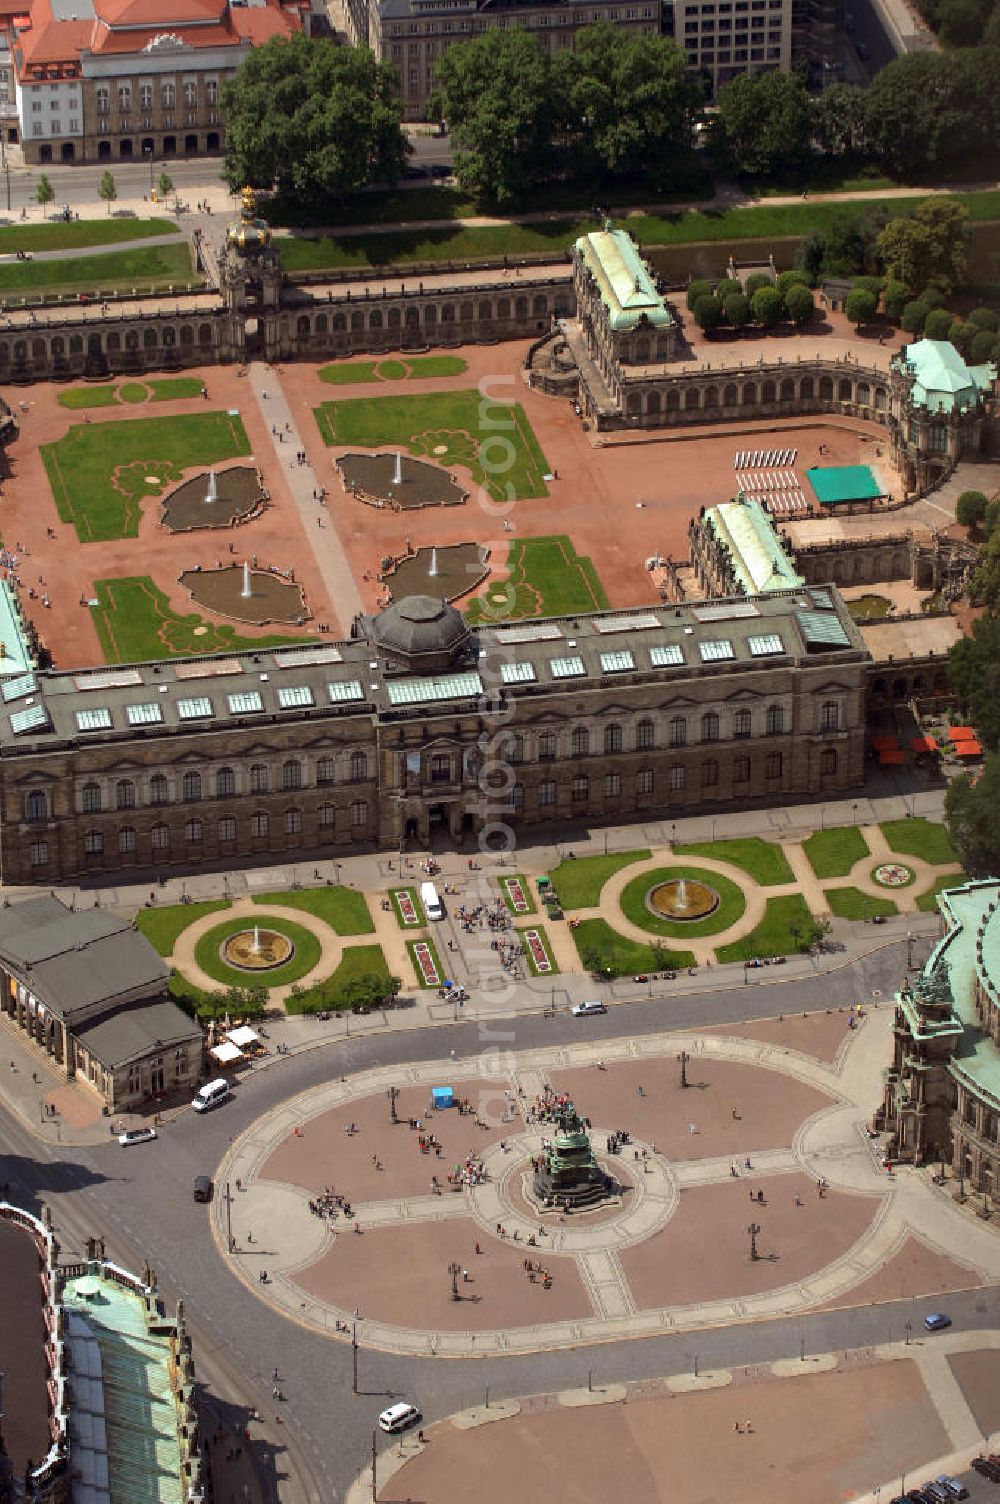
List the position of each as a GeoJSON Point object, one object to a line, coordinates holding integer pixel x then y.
{"type": "Point", "coordinates": [416, 726]}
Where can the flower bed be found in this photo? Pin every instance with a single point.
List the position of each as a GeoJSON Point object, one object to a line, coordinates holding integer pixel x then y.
{"type": "Point", "coordinates": [893, 875]}
{"type": "Point", "coordinates": [538, 951]}
{"type": "Point", "coordinates": [426, 963]}
{"type": "Point", "coordinates": [516, 895]}
{"type": "Point", "coordinates": [407, 912]}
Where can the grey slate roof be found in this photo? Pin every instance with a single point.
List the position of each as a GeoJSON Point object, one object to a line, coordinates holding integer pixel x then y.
{"type": "Point", "coordinates": [135, 1031]}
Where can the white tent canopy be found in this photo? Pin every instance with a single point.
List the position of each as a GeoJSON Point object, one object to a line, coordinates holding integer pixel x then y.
{"type": "Point", "coordinates": [243, 1037]}
{"type": "Point", "coordinates": [226, 1053]}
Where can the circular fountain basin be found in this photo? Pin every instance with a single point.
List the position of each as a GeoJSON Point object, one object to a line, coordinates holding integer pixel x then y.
{"type": "Point", "coordinates": [239, 495]}
{"type": "Point", "coordinates": [256, 950]}
{"type": "Point", "coordinates": [420, 484]}
{"type": "Point", "coordinates": [271, 597]}
{"type": "Point", "coordinates": [682, 898]}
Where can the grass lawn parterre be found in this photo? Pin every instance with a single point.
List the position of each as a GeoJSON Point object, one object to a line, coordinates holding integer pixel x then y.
{"type": "Point", "coordinates": [920, 838]}
{"type": "Point", "coordinates": [785, 929]}
{"type": "Point", "coordinates": [417, 972]}
{"type": "Point", "coordinates": [927, 902]}
{"type": "Point", "coordinates": [136, 623]}
{"type": "Point", "coordinates": [499, 434]}
{"type": "Point", "coordinates": [161, 927]}
{"type": "Point", "coordinates": [78, 234]}
{"type": "Point", "coordinates": [762, 859]}
{"type": "Point", "coordinates": [851, 903]}
{"type": "Point", "coordinates": [578, 881]}
{"type": "Point", "coordinates": [143, 268]}
{"type": "Point", "coordinates": [605, 952]}
{"type": "Point", "coordinates": [99, 473]}
{"type": "Point", "coordinates": [412, 368]}
{"type": "Point", "coordinates": [343, 909]}
{"type": "Point", "coordinates": [529, 960]}
{"type": "Point", "coordinates": [414, 898]}
{"type": "Point", "coordinates": [633, 903]}
{"type": "Point", "coordinates": [357, 961]}
{"type": "Point", "coordinates": [306, 955]}
{"type": "Point", "coordinates": [547, 577]}
{"type": "Point", "coordinates": [832, 853]}
{"type": "Point", "coordinates": [111, 393]}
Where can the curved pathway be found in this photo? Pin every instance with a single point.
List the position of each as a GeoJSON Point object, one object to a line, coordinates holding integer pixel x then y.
{"type": "Point", "coordinates": [330, 955]}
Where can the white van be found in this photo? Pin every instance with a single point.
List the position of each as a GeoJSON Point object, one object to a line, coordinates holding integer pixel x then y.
{"type": "Point", "coordinates": [399, 1418]}
{"type": "Point", "coordinates": [211, 1094]}
{"type": "Point", "coordinates": [433, 907]}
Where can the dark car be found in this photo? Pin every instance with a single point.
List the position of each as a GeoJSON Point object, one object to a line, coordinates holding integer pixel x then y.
{"type": "Point", "coordinates": [937, 1321]}
{"type": "Point", "coordinates": [440, 170]}
{"type": "Point", "coordinates": [413, 172]}
{"type": "Point", "coordinates": [203, 1188]}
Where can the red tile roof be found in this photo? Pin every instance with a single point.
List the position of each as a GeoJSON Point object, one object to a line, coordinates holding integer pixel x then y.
{"type": "Point", "coordinates": [158, 13]}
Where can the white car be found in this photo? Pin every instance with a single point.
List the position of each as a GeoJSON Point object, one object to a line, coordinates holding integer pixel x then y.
{"type": "Point", "coordinates": [592, 1005]}
{"type": "Point", "coordinates": [399, 1418]}
{"type": "Point", "coordinates": [136, 1136]}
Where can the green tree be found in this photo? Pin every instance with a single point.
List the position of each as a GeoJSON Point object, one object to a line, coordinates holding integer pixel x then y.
{"type": "Point", "coordinates": [764, 123]}
{"type": "Point", "coordinates": [986, 577]}
{"type": "Point", "coordinates": [860, 306]}
{"type": "Point", "coordinates": [313, 120]}
{"type": "Point", "coordinates": [971, 813]}
{"type": "Point", "coordinates": [839, 121]}
{"type": "Point", "coordinates": [991, 521]}
{"type": "Point", "coordinates": [928, 246]}
{"type": "Point", "coordinates": [44, 191]}
{"type": "Point", "coordinates": [498, 95]}
{"type": "Point", "coordinates": [970, 508]}
{"type": "Point", "coordinates": [915, 316]}
{"type": "Point", "coordinates": [981, 349]}
{"type": "Point", "coordinates": [810, 255]}
{"type": "Point", "coordinates": [107, 189]}
{"type": "Point", "coordinates": [938, 324]}
{"type": "Point", "coordinates": [961, 335]}
{"type": "Point", "coordinates": [895, 296]}
{"type": "Point", "coordinates": [700, 287]}
{"type": "Point", "coordinates": [851, 242]}
{"type": "Point", "coordinates": [708, 312]}
{"type": "Point", "coordinates": [755, 281]}
{"type": "Point", "coordinates": [164, 184]}
{"type": "Point", "coordinates": [767, 306]}
{"type": "Point", "coordinates": [985, 318]}
{"type": "Point", "coordinates": [909, 113]}
{"type": "Point", "coordinates": [737, 309]}
{"type": "Point", "coordinates": [793, 278]}
{"type": "Point", "coordinates": [799, 304]}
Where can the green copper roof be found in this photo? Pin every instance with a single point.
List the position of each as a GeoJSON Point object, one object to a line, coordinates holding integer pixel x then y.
{"type": "Point", "coordinates": [943, 383]}
{"type": "Point", "coordinates": [759, 561]}
{"type": "Point", "coordinates": [972, 919]}
{"type": "Point", "coordinates": [626, 288]}
{"type": "Point", "coordinates": [16, 656]}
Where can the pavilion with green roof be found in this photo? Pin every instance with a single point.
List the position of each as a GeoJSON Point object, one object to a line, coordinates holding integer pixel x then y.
{"type": "Point", "coordinates": [941, 406]}
{"type": "Point", "coordinates": [736, 550]}
{"type": "Point", "coordinates": [622, 313]}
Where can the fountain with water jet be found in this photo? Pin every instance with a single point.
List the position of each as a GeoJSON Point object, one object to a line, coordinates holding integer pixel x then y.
{"type": "Point", "coordinates": [432, 568]}
{"type": "Point", "coordinates": [397, 473]}
{"type": "Point", "coordinates": [247, 591]}
{"type": "Point", "coordinates": [212, 490]}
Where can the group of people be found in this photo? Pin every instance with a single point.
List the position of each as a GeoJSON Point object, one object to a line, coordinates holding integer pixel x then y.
{"type": "Point", "coordinates": [330, 1204]}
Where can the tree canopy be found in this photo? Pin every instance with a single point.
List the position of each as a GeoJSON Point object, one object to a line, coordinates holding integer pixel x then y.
{"type": "Point", "coordinates": [927, 246]}
{"type": "Point", "coordinates": [764, 123]}
{"type": "Point", "coordinates": [312, 120]}
{"type": "Point", "coordinates": [974, 671]}
{"type": "Point", "coordinates": [971, 812]}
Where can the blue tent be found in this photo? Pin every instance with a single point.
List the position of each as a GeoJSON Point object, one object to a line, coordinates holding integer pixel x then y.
{"type": "Point", "coordinates": [443, 1096]}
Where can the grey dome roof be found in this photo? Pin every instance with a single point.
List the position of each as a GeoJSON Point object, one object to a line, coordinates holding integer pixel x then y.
{"type": "Point", "coordinates": [419, 626]}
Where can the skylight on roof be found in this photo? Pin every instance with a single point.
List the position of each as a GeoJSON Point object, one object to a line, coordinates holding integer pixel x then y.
{"type": "Point", "coordinates": [617, 663]}
{"type": "Point", "coordinates": [643, 621]}
{"type": "Point", "coordinates": [442, 687]}
{"type": "Point", "coordinates": [300, 657]}
{"type": "Point", "coordinates": [35, 718]}
{"type": "Point", "coordinates": [667, 655]}
{"type": "Point", "coordinates": [244, 702]}
{"type": "Point", "coordinates": [16, 689]}
{"type": "Point", "coordinates": [293, 696]}
{"type": "Point", "coordinates": [822, 629]}
{"type": "Point", "coordinates": [345, 689]}
{"type": "Point", "coordinates": [517, 673]}
{"type": "Point", "coordinates": [566, 668]}
{"type": "Point", "coordinates": [764, 647]}
{"type": "Point", "coordinates": [194, 709]}
{"type": "Point", "coordinates": [144, 715]}
{"type": "Point", "coordinates": [715, 650]}
{"type": "Point", "coordinates": [96, 718]}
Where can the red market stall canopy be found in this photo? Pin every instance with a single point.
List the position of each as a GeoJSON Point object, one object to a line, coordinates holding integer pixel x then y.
{"type": "Point", "coordinates": [968, 749]}
{"type": "Point", "coordinates": [924, 744]}
{"type": "Point", "coordinates": [888, 758]}
{"type": "Point", "coordinates": [961, 734]}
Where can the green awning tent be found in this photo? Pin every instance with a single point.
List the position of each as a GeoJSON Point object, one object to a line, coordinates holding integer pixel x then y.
{"type": "Point", "coordinates": [834, 485]}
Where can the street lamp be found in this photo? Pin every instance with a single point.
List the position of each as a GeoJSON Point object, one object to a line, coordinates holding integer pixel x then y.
{"type": "Point", "coordinates": [454, 1270]}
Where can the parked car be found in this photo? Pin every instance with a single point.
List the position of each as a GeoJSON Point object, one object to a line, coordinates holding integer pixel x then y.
{"type": "Point", "coordinates": [414, 172]}
{"type": "Point", "coordinates": [592, 1005]}
{"type": "Point", "coordinates": [937, 1321]}
{"type": "Point", "coordinates": [136, 1136]}
{"type": "Point", "coordinates": [953, 1487]}
{"type": "Point", "coordinates": [203, 1188]}
{"type": "Point", "coordinates": [399, 1418]}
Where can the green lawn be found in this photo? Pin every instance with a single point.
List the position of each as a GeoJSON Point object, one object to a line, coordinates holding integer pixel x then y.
{"type": "Point", "coordinates": [633, 903]}
{"type": "Point", "coordinates": [762, 859]}
{"type": "Point", "coordinates": [602, 950]}
{"type": "Point", "coordinates": [441, 971]}
{"type": "Point", "coordinates": [447, 242]}
{"type": "Point", "coordinates": [162, 926]}
{"type": "Point", "coordinates": [832, 853]}
{"type": "Point", "coordinates": [343, 909]}
{"type": "Point", "coordinates": [306, 956]}
{"type": "Point", "coordinates": [414, 898]}
{"type": "Point", "coordinates": [785, 929]}
{"type": "Point", "coordinates": [413, 368]}
{"type": "Point", "coordinates": [143, 267]}
{"type": "Point", "coordinates": [81, 233]}
{"type": "Point", "coordinates": [927, 902]}
{"type": "Point", "coordinates": [111, 393]}
{"type": "Point", "coordinates": [100, 472]}
{"type": "Point", "coordinates": [357, 961]}
{"type": "Point", "coordinates": [469, 430]}
{"type": "Point", "coordinates": [529, 959]}
{"type": "Point", "coordinates": [851, 903]}
{"type": "Point", "coordinates": [547, 578]}
{"type": "Point", "coordinates": [578, 882]}
{"type": "Point", "coordinates": [525, 889]}
{"type": "Point", "coordinates": [136, 624]}
{"type": "Point", "coordinates": [920, 838]}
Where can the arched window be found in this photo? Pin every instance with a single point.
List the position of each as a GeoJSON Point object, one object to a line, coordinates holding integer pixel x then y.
{"type": "Point", "coordinates": [125, 794]}
{"type": "Point", "coordinates": [829, 716]}
{"type": "Point", "coordinates": [291, 775]}
{"type": "Point", "coordinates": [326, 772]}
{"type": "Point", "coordinates": [327, 816]}
{"type": "Point", "coordinates": [193, 832]}
{"type": "Point", "coordinates": [227, 828]}
{"type": "Point", "coordinates": [191, 787]}
{"type": "Point", "coordinates": [547, 793]}
{"type": "Point", "coordinates": [92, 801]}
{"type": "Point", "coordinates": [225, 783]}
{"type": "Point", "coordinates": [258, 778]}
{"type": "Point", "coordinates": [678, 777]}
{"type": "Point", "coordinates": [159, 790]}
{"type": "Point", "coordinates": [580, 789]}
{"type": "Point", "coordinates": [546, 746]}
{"type": "Point", "coordinates": [126, 840]}
{"type": "Point", "coordinates": [644, 735]}
{"type": "Point", "coordinates": [709, 773]}
{"type": "Point", "coordinates": [613, 738]}
{"type": "Point", "coordinates": [359, 812]}
{"type": "Point", "coordinates": [580, 741]}
{"type": "Point", "coordinates": [678, 731]}
{"type": "Point", "coordinates": [259, 823]}
{"type": "Point", "coordinates": [359, 767]}
{"type": "Point", "coordinates": [710, 726]}
{"type": "Point", "coordinates": [742, 723]}
{"type": "Point", "coordinates": [160, 837]}
{"type": "Point", "coordinates": [93, 842]}
{"type": "Point", "coordinates": [293, 822]}
{"type": "Point", "coordinates": [36, 806]}
{"type": "Point", "coordinates": [775, 720]}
